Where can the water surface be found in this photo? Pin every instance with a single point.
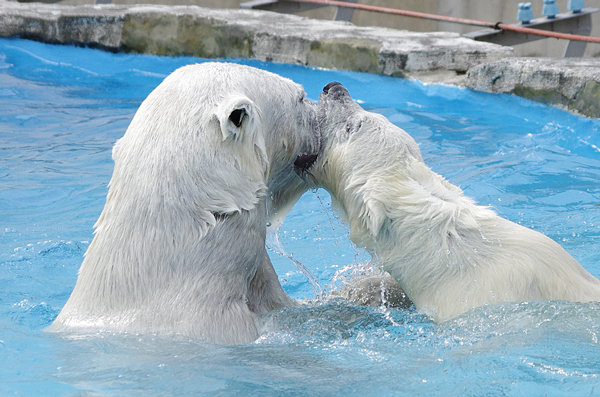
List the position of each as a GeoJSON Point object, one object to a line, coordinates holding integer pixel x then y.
{"type": "Point", "coordinates": [61, 110]}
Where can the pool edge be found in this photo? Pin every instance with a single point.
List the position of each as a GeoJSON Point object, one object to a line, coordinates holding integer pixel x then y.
{"type": "Point", "coordinates": [436, 57]}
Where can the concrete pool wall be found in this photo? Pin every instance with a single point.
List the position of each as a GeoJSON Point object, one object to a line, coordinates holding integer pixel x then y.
{"type": "Point", "coordinates": [212, 33]}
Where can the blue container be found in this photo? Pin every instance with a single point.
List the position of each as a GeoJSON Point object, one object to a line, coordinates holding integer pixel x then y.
{"type": "Point", "coordinates": [550, 9]}
{"type": "Point", "coordinates": [525, 15]}
{"type": "Point", "coordinates": [576, 5]}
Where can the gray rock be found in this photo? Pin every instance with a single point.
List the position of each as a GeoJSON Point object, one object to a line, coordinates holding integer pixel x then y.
{"type": "Point", "coordinates": [55, 24]}
{"type": "Point", "coordinates": [210, 33]}
{"type": "Point", "coordinates": [573, 83]}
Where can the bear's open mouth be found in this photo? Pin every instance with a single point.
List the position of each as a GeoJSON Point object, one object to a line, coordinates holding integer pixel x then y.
{"type": "Point", "coordinates": [303, 162]}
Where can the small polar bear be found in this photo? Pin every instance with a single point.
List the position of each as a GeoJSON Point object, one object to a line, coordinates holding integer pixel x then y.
{"type": "Point", "coordinates": [179, 247]}
{"type": "Point", "coordinates": [448, 254]}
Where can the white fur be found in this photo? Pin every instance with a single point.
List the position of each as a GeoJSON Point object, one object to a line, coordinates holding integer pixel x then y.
{"type": "Point", "coordinates": [180, 245]}
{"type": "Point", "coordinates": [447, 253]}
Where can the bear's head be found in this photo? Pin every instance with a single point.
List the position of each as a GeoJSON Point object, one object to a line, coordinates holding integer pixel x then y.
{"type": "Point", "coordinates": [359, 151]}
{"type": "Point", "coordinates": [215, 139]}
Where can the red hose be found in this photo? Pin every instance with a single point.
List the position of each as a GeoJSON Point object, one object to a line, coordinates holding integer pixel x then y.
{"type": "Point", "coordinates": [464, 21]}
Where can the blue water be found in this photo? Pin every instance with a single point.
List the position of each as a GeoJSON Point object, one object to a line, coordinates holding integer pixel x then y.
{"type": "Point", "coordinates": [61, 110]}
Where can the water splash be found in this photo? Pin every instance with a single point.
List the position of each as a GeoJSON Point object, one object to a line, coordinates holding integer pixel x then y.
{"type": "Point", "coordinates": [352, 280]}
{"type": "Point", "coordinates": [274, 245]}
{"type": "Point", "coordinates": [328, 212]}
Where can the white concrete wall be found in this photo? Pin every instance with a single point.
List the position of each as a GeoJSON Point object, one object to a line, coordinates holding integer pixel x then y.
{"type": "Point", "coordinates": [484, 10]}
{"type": "Point", "coordinates": [506, 11]}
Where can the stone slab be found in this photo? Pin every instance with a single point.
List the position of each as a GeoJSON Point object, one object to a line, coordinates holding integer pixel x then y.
{"type": "Point", "coordinates": [573, 83]}
{"type": "Point", "coordinates": [266, 36]}
{"type": "Point", "coordinates": [218, 33]}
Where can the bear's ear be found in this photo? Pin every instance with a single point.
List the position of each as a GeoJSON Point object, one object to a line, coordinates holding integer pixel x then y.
{"type": "Point", "coordinates": [234, 115]}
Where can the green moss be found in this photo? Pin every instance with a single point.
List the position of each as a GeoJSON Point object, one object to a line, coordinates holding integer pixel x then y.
{"type": "Point", "coordinates": [587, 100]}
{"type": "Point", "coordinates": [544, 96]}
{"type": "Point", "coordinates": [150, 33]}
{"type": "Point", "coordinates": [360, 55]}
{"type": "Point", "coordinates": [168, 34]}
{"type": "Point", "coordinates": [212, 39]}
{"type": "Point", "coordinates": [399, 73]}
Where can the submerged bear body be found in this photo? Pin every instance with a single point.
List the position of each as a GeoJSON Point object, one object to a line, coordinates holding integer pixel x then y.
{"type": "Point", "coordinates": [179, 247]}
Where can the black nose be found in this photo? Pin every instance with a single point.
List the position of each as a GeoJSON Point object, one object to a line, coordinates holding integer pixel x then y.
{"type": "Point", "coordinates": [304, 162]}
{"type": "Point", "coordinates": [330, 86]}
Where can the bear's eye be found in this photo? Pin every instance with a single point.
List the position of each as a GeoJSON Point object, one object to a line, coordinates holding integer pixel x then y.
{"type": "Point", "coordinates": [237, 116]}
{"type": "Point", "coordinates": [353, 125]}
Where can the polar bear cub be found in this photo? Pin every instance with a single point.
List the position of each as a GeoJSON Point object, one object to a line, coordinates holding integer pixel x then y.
{"type": "Point", "coordinates": [447, 253]}
{"type": "Point", "coordinates": [179, 248]}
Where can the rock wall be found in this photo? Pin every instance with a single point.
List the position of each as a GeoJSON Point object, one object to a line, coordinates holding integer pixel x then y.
{"type": "Point", "coordinates": [573, 83]}
{"type": "Point", "coordinates": [213, 33]}
{"type": "Point", "coordinates": [216, 33]}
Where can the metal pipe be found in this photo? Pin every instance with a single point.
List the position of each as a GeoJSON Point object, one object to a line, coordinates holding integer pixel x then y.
{"type": "Point", "coordinates": [464, 21]}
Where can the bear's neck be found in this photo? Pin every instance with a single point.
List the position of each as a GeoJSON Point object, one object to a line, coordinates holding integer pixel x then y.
{"type": "Point", "coordinates": [425, 222]}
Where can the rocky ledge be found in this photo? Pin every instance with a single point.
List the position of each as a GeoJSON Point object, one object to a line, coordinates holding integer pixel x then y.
{"type": "Point", "coordinates": [573, 83]}
{"type": "Point", "coordinates": [210, 33]}
{"type": "Point", "coordinates": [189, 30]}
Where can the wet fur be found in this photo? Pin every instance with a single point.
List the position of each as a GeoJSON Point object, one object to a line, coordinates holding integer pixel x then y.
{"type": "Point", "coordinates": [179, 247]}
{"type": "Point", "coordinates": [447, 253]}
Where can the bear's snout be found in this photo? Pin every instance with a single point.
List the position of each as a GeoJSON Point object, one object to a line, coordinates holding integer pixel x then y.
{"type": "Point", "coordinates": [304, 162]}
{"type": "Point", "coordinates": [330, 86]}
{"type": "Point", "coordinates": [335, 90]}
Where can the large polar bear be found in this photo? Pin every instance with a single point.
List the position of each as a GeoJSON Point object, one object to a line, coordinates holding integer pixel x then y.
{"type": "Point", "coordinates": [179, 248]}
{"type": "Point", "coordinates": [447, 253]}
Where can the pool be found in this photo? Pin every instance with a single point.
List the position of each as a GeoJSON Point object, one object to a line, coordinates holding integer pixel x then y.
{"type": "Point", "coordinates": [62, 108]}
